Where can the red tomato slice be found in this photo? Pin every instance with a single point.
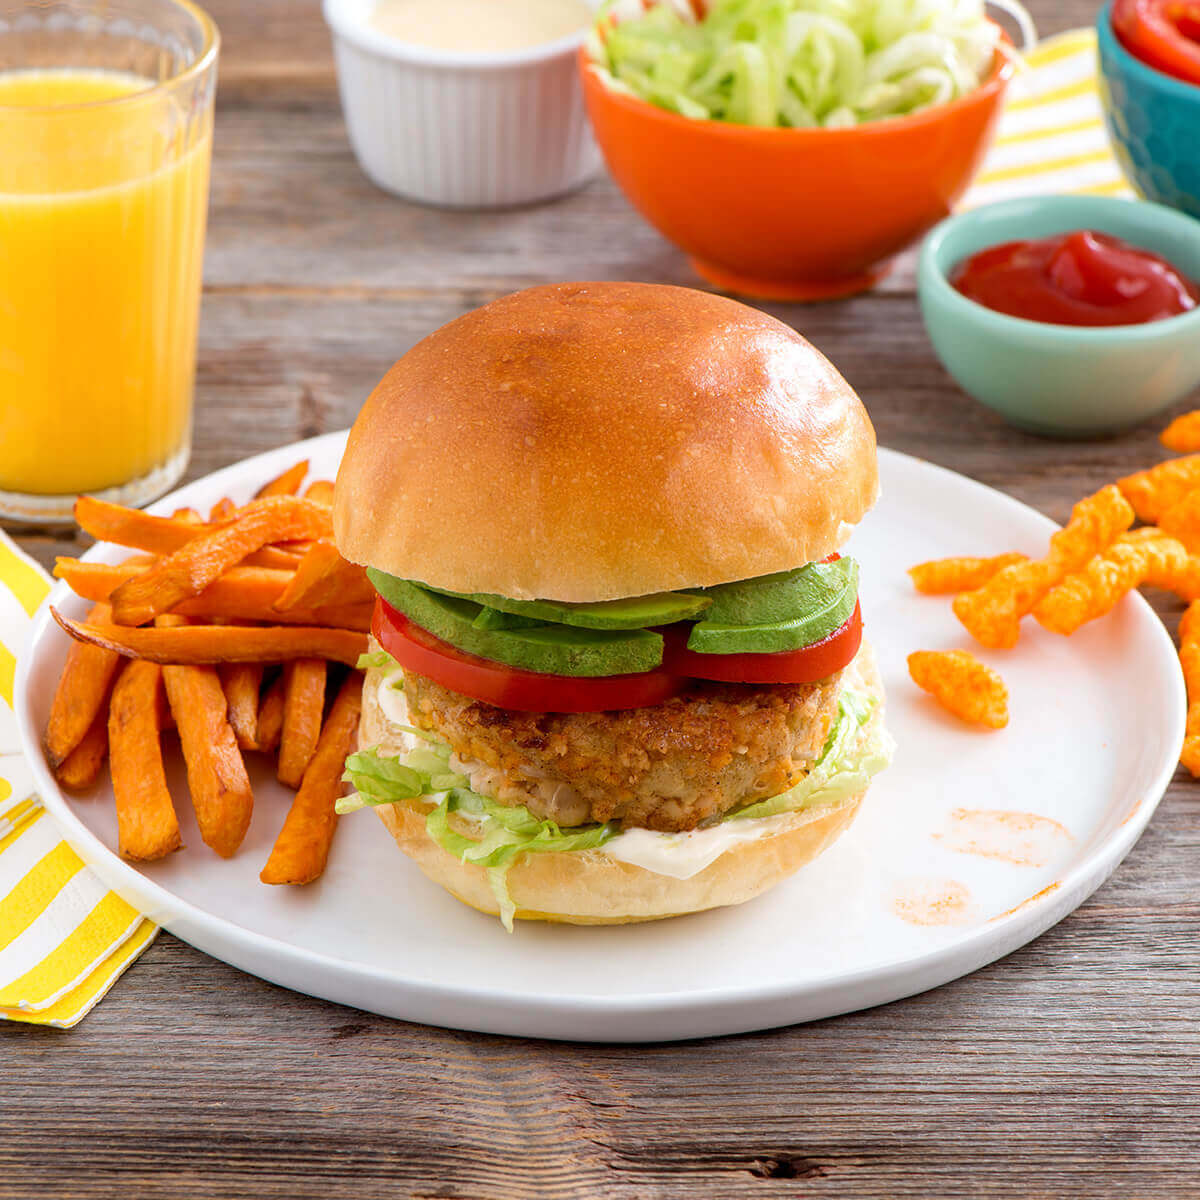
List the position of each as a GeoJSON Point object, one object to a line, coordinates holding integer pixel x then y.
{"type": "Point", "coordinates": [805, 665]}
{"type": "Point", "coordinates": [418, 650]}
{"type": "Point", "coordinates": [1164, 34]}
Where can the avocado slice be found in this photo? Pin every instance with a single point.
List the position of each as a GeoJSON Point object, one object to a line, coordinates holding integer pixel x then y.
{"type": "Point", "coordinates": [630, 612]}
{"type": "Point", "coordinates": [493, 618]}
{"type": "Point", "coordinates": [828, 593]}
{"type": "Point", "coordinates": [549, 649]}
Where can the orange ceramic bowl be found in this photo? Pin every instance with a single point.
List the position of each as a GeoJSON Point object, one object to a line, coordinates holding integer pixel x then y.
{"type": "Point", "coordinates": [793, 214]}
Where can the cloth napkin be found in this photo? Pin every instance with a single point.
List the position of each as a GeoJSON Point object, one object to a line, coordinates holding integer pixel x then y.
{"type": "Point", "coordinates": [64, 937]}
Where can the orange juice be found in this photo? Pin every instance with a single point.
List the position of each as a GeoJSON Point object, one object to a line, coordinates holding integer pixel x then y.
{"type": "Point", "coordinates": [103, 194]}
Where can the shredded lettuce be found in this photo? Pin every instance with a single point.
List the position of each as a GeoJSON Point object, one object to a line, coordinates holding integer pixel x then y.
{"type": "Point", "coordinates": [379, 659]}
{"type": "Point", "coordinates": [856, 748]}
{"type": "Point", "coordinates": [794, 63]}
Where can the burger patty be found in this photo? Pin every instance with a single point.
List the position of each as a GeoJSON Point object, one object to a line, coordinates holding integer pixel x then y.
{"type": "Point", "coordinates": [671, 767]}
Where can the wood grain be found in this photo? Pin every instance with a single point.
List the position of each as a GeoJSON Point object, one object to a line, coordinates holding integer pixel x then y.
{"type": "Point", "coordinates": [1068, 1069]}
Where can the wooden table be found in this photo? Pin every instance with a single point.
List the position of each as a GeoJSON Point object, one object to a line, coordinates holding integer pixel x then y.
{"type": "Point", "coordinates": [1069, 1068]}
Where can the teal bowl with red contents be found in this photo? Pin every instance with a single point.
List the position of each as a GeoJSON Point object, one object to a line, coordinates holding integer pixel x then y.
{"type": "Point", "coordinates": [1150, 91]}
{"type": "Point", "coordinates": [1064, 380]}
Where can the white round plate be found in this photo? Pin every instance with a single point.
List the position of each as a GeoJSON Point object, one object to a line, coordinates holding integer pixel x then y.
{"type": "Point", "coordinates": [900, 904]}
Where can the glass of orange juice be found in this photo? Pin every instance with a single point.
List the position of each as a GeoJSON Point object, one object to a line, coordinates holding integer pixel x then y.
{"type": "Point", "coordinates": [106, 111]}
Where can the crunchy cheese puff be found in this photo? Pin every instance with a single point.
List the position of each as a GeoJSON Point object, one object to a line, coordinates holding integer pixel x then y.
{"type": "Point", "coordinates": [1189, 660]}
{"type": "Point", "coordinates": [960, 683]}
{"type": "Point", "coordinates": [945, 575]}
{"type": "Point", "coordinates": [1183, 433]}
{"type": "Point", "coordinates": [1153, 491]}
{"type": "Point", "coordinates": [1182, 521]}
{"type": "Point", "coordinates": [1095, 590]}
{"type": "Point", "coordinates": [992, 614]}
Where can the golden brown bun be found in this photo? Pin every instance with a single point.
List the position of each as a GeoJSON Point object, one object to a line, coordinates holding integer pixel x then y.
{"type": "Point", "coordinates": [590, 888]}
{"type": "Point", "coordinates": [586, 441]}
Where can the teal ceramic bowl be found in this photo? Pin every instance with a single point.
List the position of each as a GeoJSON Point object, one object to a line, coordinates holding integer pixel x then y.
{"type": "Point", "coordinates": [1062, 380]}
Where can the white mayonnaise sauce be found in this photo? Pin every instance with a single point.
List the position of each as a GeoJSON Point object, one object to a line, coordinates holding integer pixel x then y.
{"type": "Point", "coordinates": [682, 855]}
{"type": "Point", "coordinates": [480, 26]}
{"type": "Point", "coordinates": [394, 705]}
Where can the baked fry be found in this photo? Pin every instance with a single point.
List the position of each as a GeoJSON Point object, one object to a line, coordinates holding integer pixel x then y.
{"type": "Point", "coordinates": [158, 535]}
{"type": "Point", "coordinates": [992, 614]}
{"type": "Point", "coordinates": [216, 774]}
{"type": "Point", "coordinates": [1183, 433]}
{"type": "Point", "coordinates": [962, 685]}
{"type": "Point", "coordinates": [302, 848]}
{"type": "Point", "coordinates": [270, 716]}
{"type": "Point", "coordinates": [324, 578]}
{"type": "Point", "coordinates": [1095, 590]}
{"type": "Point", "coordinates": [943, 576]}
{"type": "Point", "coordinates": [82, 691]}
{"type": "Point", "coordinates": [1153, 491]}
{"type": "Point", "coordinates": [1182, 521]}
{"type": "Point", "coordinates": [190, 515]}
{"type": "Point", "coordinates": [241, 683]}
{"type": "Point", "coordinates": [287, 484]}
{"type": "Point", "coordinates": [204, 559]}
{"type": "Point", "coordinates": [80, 768]}
{"type": "Point", "coordinates": [241, 594]}
{"type": "Point", "coordinates": [199, 644]}
{"type": "Point", "coordinates": [1189, 660]}
{"type": "Point", "coordinates": [222, 511]}
{"type": "Point", "coordinates": [147, 827]}
{"type": "Point", "coordinates": [320, 491]}
{"type": "Point", "coordinates": [303, 707]}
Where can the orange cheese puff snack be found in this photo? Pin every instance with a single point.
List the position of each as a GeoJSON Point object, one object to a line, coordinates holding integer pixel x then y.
{"type": "Point", "coordinates": [1094, 591]}
{"type": "Point", "coordinates": [1182, 521]}
{"type": "Point", "coordinates": [1189, 660]}
{"type": "Point", "coordinates": [992, 614]}
{"type": "Point", "coordinates": [959, 682]}
{"type": "Point", "coordinates": [1153, 491]}
{"type": "Point", "coordinates": [945, 575]}
{"type": "Point", "coordinates": [1183, 433]}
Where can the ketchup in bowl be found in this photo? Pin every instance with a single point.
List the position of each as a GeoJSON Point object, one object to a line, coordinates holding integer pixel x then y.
{"type": "Point", "coordinates": [1164, 34]}
{"type": "Point", "coordinates": [1078, 278]}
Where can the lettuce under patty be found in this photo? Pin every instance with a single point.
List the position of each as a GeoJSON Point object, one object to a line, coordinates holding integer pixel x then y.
{"type": "Point", "coordinates": [856, 748]}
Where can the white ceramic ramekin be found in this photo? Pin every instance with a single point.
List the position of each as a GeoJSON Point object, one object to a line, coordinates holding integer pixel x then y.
{"type": "Point", "coordinates": [461, 130]}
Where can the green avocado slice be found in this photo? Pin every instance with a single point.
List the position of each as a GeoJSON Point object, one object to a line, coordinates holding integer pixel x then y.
{"type": "Point", "coordinates": [630, 612]}
{"type": "Point", "coordinates": [549, 649]}
{"type": "Point", "coordinates": [777, 612]}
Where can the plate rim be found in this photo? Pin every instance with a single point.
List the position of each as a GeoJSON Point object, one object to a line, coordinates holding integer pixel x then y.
{"type": "Point", "coordinates": [517, 1012]}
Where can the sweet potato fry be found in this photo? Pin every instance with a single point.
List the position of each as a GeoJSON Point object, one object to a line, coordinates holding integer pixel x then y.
{"type": "Point", "coordinates": [945, 575]}
{"type": "Point", "coordinates": [80, 768]}
{"type": "Point", "coordinates": [81, 693]}
{"type": "Point", "coordinates": [242, 683]}
{"type": "Point", "coordinates": [992, 614]}
{"type": "Point", "coordinates": [241, 594]}
{"type": "Point", "coordinates": [1189, 660]}
{"type": "Point", "coordinates": [1182, 521]}
{"type": "Point", "coordinates": [190, 515]}
{"type": "Point", "coordinates": [303, 708]}
{"type": "Point", "coordinates": [147, 827]}
{"type": "Point", "coordinates": [962, 685]}
{"type": "Point", "coordinates": [1153, 491]}
{"type": "Point", "coordinates": [287, 484]}
{"type": "Point", "coordinates": [1095, 590]}
{"type": "Point", "coordinates": [323, 578]}
{"type": "Point", "coordinates": [302, 848]}
{"type": "Point", "coordinates": [197, 644]}
{"type": "Point", "coordinates": [270, 716]}
{"type": "Point", "coordinates": [190, 569]}
{"type": "Point", "coordinates": [216, 774]}
{"type": "Point", "coordinates": [158, 535]}
{"type": "Point", "coordinates": [320, 491]}
{"type": "Point", "coordinates": [1183, 433]}
{"type": "Point", "coordinates": [222, 511]}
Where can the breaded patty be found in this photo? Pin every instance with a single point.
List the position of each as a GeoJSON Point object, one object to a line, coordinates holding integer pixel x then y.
{"type": "Point", "coordinates": [670, 767]}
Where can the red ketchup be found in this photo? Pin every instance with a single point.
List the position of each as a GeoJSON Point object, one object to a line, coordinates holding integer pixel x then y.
{"type": "Point", "coordinates": [1080, 278]}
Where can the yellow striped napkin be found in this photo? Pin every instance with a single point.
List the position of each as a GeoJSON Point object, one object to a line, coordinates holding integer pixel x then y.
{"type": "Point", "coordinates": [64, 937]}
{"type": "Point", "coordinates": [1051, 137]}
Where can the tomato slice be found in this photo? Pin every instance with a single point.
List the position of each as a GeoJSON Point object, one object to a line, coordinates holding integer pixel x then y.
{"type": "Point", "coordinates": [1164, 34]}
{"type": "Point", "coordinates": [418, 650]}
{"type": "Point", "coordinates": [806, 665]}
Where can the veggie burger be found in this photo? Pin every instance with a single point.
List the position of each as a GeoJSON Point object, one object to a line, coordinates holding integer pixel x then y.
{"type": "Point", "coordinates": [617, 670]}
